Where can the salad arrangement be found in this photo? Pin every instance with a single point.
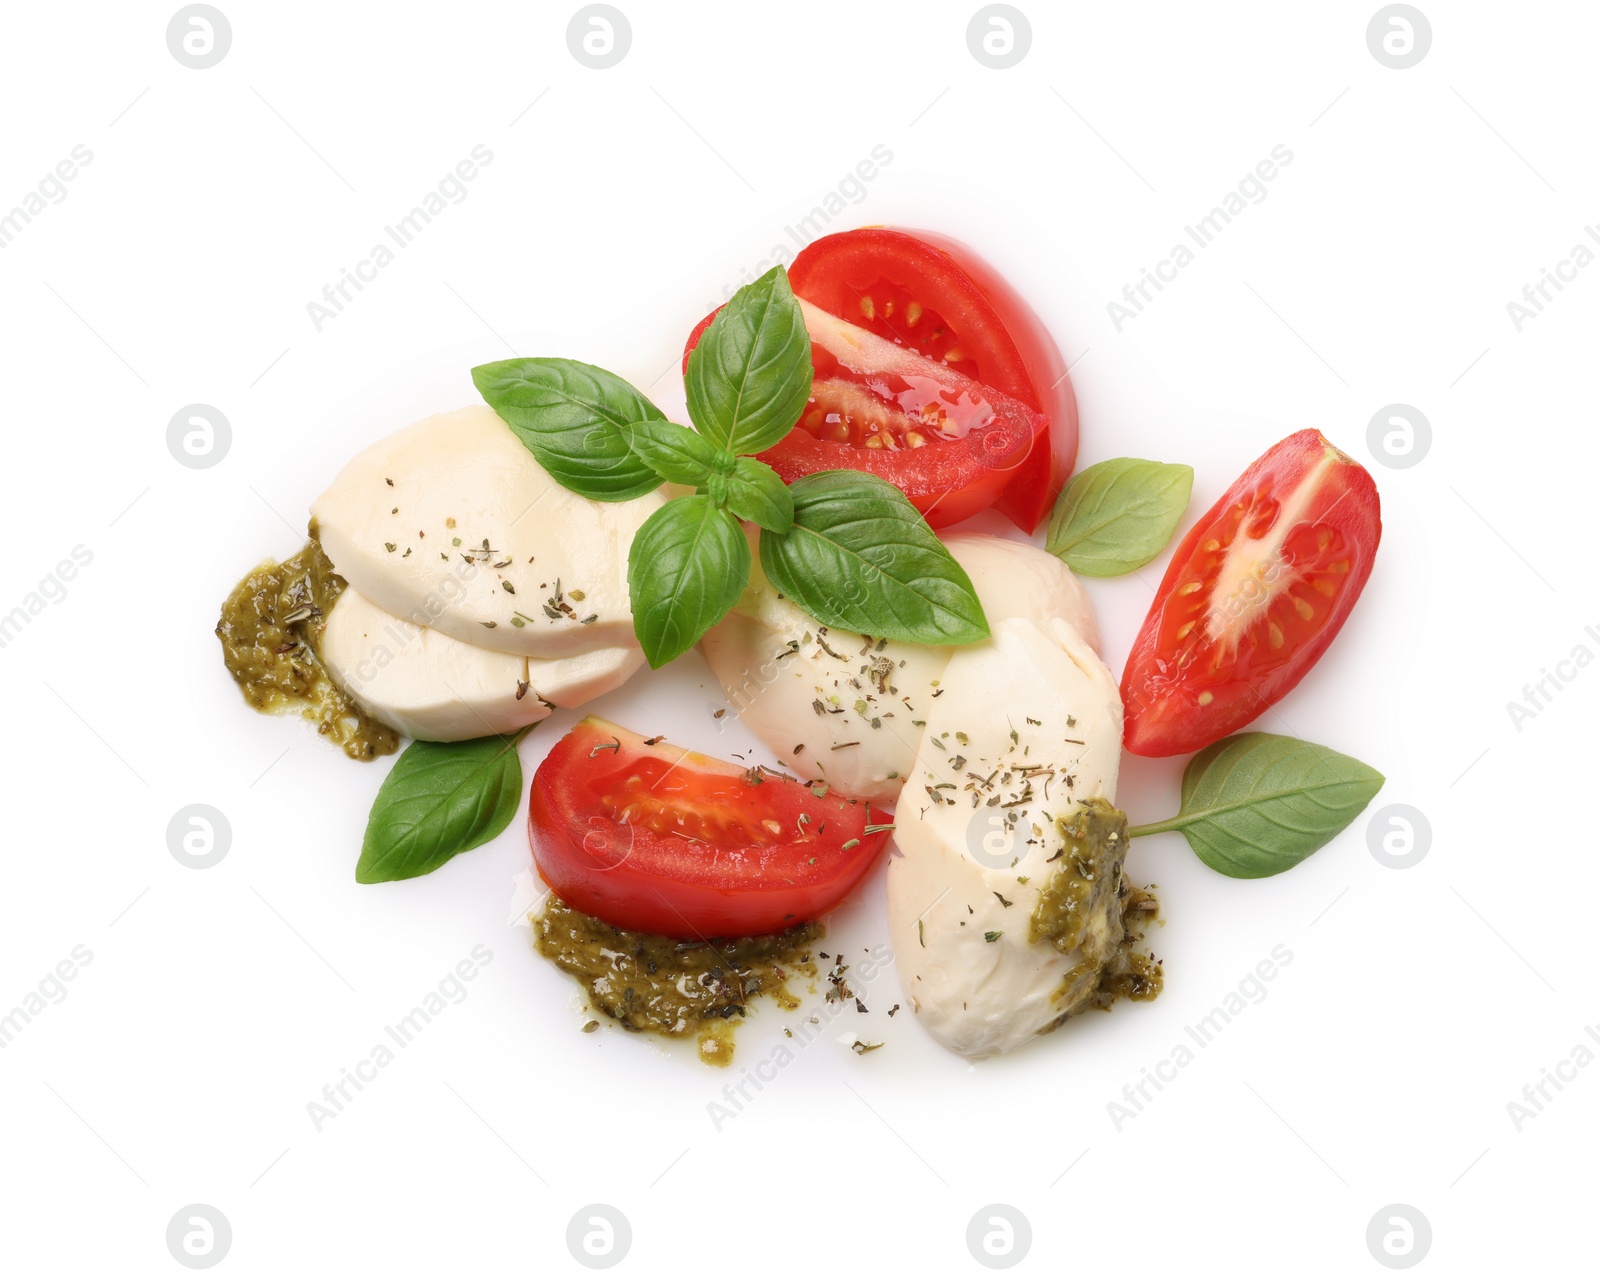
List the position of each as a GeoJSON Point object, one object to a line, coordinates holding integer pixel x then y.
{"type": "Point", "coordinates": [475, 572]}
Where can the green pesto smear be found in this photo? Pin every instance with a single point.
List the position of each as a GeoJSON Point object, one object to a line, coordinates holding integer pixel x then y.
{"type": "Point", "coordinates": [270, 630]}
{"type": "Point", "coordinates": [647, 982]}
{"type": "Point", "coordinates": [1089, 912]}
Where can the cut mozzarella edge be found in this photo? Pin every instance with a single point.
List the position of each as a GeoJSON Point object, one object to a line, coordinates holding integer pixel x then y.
{"type": "Point", "coordinates": [431, 686]}
{"type": "Point", "coordinates": [800, 686]}
{"type": "Point", "coordinates": [963, 872]}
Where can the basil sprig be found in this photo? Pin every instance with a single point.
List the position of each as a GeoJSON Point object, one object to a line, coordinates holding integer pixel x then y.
{"type": "Point", "coordinates": [848, 548]}
{"type": "Point", "coordinates": [1116, 516]}
{"type": "Point", "coordinates": [1256, 804]}
{"type": "Point", "coordinates": [440, 800]}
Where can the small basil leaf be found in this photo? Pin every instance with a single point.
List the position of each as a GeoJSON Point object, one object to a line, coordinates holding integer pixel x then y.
{"type": "Point", "coordinates": [750, 375]}
{"type": "Point", "coordinates": [860, 557]}
{"type": "Point", "coordinates": [1256, 804]}
{"type": "Point", "coordinates": [1117, 515]}
{"type": "Point", "coordinates": [758, 495]}
{"type": "Point", "coordinates": [676, 453]}
{"type": "Point", "coordinates": [575, 419]}
{"type": "Point", "coordinates": [686, 567]}
{"type": "Point", "coordinates": [440, 800]}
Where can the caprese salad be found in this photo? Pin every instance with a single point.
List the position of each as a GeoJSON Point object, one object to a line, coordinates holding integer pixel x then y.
{"type": "Point", "coordinates": [939, 699]}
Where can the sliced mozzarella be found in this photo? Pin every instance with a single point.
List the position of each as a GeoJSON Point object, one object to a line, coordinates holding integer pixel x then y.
{"type": "Point", "coordinates": [776, 665]}
{"type": "Point", "coordinates": [1014, 579]}
{"type": "Point", "coordinates": [407, 522]}
{"type": "Point", "coordinates": [800, 687]}
{"type": "Point", "coordinates": [1034, 695]}
{"type": "Point", "coordinates": [430, 686]}
{"type": "Point", "coordinates": [421, 682]}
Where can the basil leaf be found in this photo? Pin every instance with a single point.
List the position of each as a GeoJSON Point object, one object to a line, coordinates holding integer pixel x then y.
{"type": "Point", "coordinates": [575, 419]}
{"type": "Point", "coordinates": [440, 800]}
{"type": "Point", "coordinates": [1256, 804]}
{"type": "Point", "coordinates": [686, 567]}
{"type": "Point", "coordinates": [675, 452]}
{"type": "Point", "coordinates": [750, 375]}
{"type": "Point", "coordinates": [1117, 515]}
{"type": "Point", "coordinates": [860, 557]}
{"type": "Point", "coordinates": [758, 495]}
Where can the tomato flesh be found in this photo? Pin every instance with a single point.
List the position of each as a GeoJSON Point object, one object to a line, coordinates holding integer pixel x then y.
{"type": "Point", "coordinates": [1255, 593]}
{"type": "Point", "coordinates": [935, 295]}
{"type": "Point", "coordinates": [931, 297]}
{"type": "Point", "coordinates": [653, 838]}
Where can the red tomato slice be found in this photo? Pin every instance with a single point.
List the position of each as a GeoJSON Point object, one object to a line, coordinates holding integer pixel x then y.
{"type": "Point", "coordinates": [931, 297]}
{"type": "Point", "coordinates": [935, 295]}
{"type": "Point", "coordinates": [661, 840]}
{"type": "Point", "coordinates": [1253, 596]}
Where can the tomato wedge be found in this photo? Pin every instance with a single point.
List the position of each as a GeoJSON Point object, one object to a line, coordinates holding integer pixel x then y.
{"type": "Point", "coordinates": [1000, 425]}
{"type": "Point", "coordinates": [650, 837]}
{"type": "Point", "coordinates": [933, 294]}
{"type": "Point", "coordinates": [1255, 593]}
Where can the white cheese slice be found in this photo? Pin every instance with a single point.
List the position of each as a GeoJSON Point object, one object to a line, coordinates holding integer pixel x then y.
{"type": "Point", "coordinates": [1034, 695]}
{"type": "Point", "coordinates": [420, 681]}
{"type": "Point", "coordinates": [800, 686]}
{"type": "Point", "coordinates": [451, 524]}
{"type": "Point", "coordinates": [430, 686]}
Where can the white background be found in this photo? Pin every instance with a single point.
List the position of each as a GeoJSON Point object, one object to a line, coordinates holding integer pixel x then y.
{"type": "Point", "coordinates": [616, 208]}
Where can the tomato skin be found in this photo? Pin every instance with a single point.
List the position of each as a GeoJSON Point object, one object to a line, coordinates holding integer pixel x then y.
{"type": "Point", "coordinates": [1007, 348]}
{"type": "Point", "coordinates": [655, 881]}
{"type": "Point", "coordinates": [1011, 346]}
{"type": "Point", "coordinates": [1254, 594]}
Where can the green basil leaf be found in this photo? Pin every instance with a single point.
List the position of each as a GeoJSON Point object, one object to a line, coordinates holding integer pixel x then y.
{"type": "Point", "coordinates": [1117, 515]}
{"type": "Point", "coordinates": [1256, 804]}
{"type": "Point", "coordinates": [440, 800]}
{"type": "Point", "coordinates": [750, 375]}
{"type": "Point", "coordinates": [576, 420]}
{"type": "Point", "coordinates": [860, 557]}
{"type": "Point", "coordinates": [686, 567]}
{"type": "Point", "coordinates": [758, 495]}
{"type": "Point", "coordinates": [675, 452]}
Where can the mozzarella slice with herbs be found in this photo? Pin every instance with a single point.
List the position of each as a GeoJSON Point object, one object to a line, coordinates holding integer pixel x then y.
{"type": "Point", "coordinates": [430, 686]}
{"type": "Point", "coordinates": [848, 709]}
{"type": "Point", "coordinates": [1029, 727]}
{"type": "Point", "coordinates": [452, 524]}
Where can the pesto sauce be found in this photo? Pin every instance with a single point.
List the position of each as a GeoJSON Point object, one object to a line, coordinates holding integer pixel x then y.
{"type": "Point", "coordinates": [271, 629]}
{"type": "Point", "coordinates": [1088, 912]}
{"type": "Point", "coordinates": [647, 982]}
